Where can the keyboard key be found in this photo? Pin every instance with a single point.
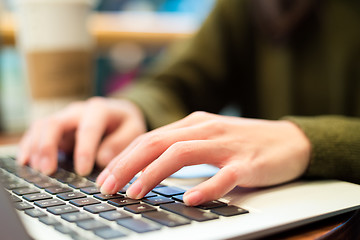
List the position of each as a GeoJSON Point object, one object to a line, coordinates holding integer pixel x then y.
{"type": "Point", "coordinates": [168, 191]}
{"type": "Point", "coordinates": [178, 198]}
{"type": "Point", "coordinates": [109, 233]}
{"type": "Point", "coordinates": [84, 202]}
{"type": "Point", "coordinates": [14, 198]}
{"type": "Point", "coordinates": [189, 212]}
{"type": "Point", "coordinates": [36, 197]}
{"type": "Point", "coordinates": [228, 211]}
{"type": "Point", "coordinates": [48, 220]}
{"type": "Point", "coordinates": [114, 215]}
{"type": "Point", "coordinates": [23, 191]}
{"type": "Point", "coordinates": [104, 197]}
{"type": "Point", "coordinates": [81, 184]}
{"type": "Point", "coordinates": [58, 210]}
{"type": "Point", "coordinates": [156, 201]}
{"type": "Point", "coordinates": [120, 202]}
{"type": "Point", "coordinates": [49, 203]}
{"type": "Point", "coordinates": [64, 176]}
{"type": "Point", "coordinates": [22, 206]}
{"type": "Point", "coordinates": [65, 230]}
{"type": "Point", "coordinates": [35, 213]}
{"type": "Point", "coordinates": [165, 218]}
{"type": "Point", "coordinates": [140, 208]}
{"type": "Point", "coordinates": [47, 184]}
{"type": "Point", "coordinates": [76, 216]}
{"type": "Point", "coordinates": [212, 204]}
{"type": "Point", "coordinates": [150, 194]}
{"type": "Point", "coordinates": [56, 190]}
{"type": "Point", "coordinates": [138, 225]}
{"type": "Point", "coordinates": [98, 208]}
{"type": "Point", "coordinates": [12, 185]}
{"type": "Point", "coordinates": [91, 224]}
{"type": "Point", "coordinates": [70, 195]}
{"type": "Point", "coordinates": [90, 190]}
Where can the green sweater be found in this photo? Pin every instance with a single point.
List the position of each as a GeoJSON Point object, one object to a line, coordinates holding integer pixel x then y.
{"type": "Point", "coordinates": [311, 78]}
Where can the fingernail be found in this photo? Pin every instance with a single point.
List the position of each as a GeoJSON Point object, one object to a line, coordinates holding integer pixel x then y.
{"type": "Point", "coordinates": [102, 176]}
{"type": "Point", "coordinates": [109, 185]}
{"type": "Point", "coordinates": [134, 190]}
{"type": "Point", "coordinates": [193, 198]}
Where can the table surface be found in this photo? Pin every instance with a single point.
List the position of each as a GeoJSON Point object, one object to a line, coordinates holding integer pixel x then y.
{"type": "Point", "coordinates": [110, 28]}
{"type": "Point", "coordinates": [310, 231]}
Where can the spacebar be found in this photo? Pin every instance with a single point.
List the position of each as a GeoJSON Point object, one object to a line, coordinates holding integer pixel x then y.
{"type": "Point", "coordinates": [189, 212]}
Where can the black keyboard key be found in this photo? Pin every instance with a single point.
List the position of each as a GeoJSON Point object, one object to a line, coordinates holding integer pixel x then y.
{"type": "Point", "coordinates": [212, 204]}
{"type": "Point", "coordinates": [90, 190]}
{"type": "Point", "coordinates": [91, 224]}
{"type": "Point", "coordinates": [70, 195]}
{"type": "Point", "coordinates": [114, 215]}
{"type": "Point", "coordinates": [84, 202]}
{"type": "Point", "coordinates": [150, 194]}
{"type": "Point", "coordinates": [140, 208]}
{"type": "Point", "coordinates": [36, 197]}
{"type": "Point", "coordinates": [189, 212]}
{"type": "Point", "coordinates": [156, 201]}
{"type": "Point", "coordinates": [14, 198]}
{"type": "Point", "coordinates": [120, 202]}
{"type": "Point", "coordinates": [36, 179]}
{"type": "Point", "coordinates": [22, 206]}
{"type": "Point", "coordinates": [47, 184]}
{"type": "Point", "coordinates": [81, 184]}
{"type": "Point", "coordinates": [178, 198]}
{"type": "Point", "coordinates": [35, 213]}
{"type": "Point", "coordinates": [98, 208]}
{"type": "Point", "coordinates": [49, 203]}
{"type": "Point", "coordinates": [12, 185]}
{"type": "Point", "coordinates": [138, 225]}
{"type": "Point", "coordinates": [56, 190]}
{"type": "Point", "coordinates": [23, 191]}
{"type": "Point", "coordinates": [65, 230]}
{"type": "Point", "coordinates": [109, 233]}
{"type": "Point", "coordinates": [64, 176]}
{"type": "Point", "coordinates": [48, 220]}
{"type": "Point", "coordinates": [228, 211]}
{"type": "Point", "coordinates": [166, 218]}
{"type": "Point", "coordinates": [76, 216]}
{"type": "Point", "coordinates": [62, 209]}
{"type": "Point", "coordinates": [168, 191]}
{"type": "Point", "coordinates": [104, 197]}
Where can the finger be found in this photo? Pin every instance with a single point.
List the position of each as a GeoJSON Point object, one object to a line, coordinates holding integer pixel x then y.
{"type": "Point", "coordinates": [23, 155]}
{"type": "Point", "coordinates": [117, 141]}
{"type": "Point", "coordinates": [149, 147]}
{"type": "Point", "coordinates": [90, 130]}
{"type": "Point", "coordinates": [174, 158]}
{"type": "Point", "coordinates": [215, 187]}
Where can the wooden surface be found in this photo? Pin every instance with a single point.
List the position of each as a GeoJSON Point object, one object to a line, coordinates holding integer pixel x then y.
{"type": "Point", "coordinates": [110, 28]}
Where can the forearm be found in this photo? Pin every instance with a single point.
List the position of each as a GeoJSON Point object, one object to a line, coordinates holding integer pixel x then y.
{"type": "Point", "coordinates": [335, 144]}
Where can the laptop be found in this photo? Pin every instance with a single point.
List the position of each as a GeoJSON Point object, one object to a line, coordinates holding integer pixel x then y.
{"type": "Point", "coordinates": [66, 206]}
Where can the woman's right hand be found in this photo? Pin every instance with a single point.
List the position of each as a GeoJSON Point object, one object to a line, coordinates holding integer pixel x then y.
{"type": "Point", "coordinates": [95, 131]}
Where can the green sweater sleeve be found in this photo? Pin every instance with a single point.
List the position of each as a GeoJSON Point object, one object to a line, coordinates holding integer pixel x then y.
{"type": "Point", "coordinates": [335, 144]}
{"type": "Point", "coordinates": [199, 78]}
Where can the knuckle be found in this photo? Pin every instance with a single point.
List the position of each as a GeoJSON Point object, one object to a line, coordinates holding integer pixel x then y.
{"type": "Point", "coordinates": [199, 115]}
{"type": "Point", "coordinates": [180, 150]}
{"type": "Point", "coordinates": [96, 101]}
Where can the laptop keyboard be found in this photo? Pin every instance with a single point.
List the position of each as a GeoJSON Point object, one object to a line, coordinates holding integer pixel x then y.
{"type": "Point", "coordinates": [69, 202]}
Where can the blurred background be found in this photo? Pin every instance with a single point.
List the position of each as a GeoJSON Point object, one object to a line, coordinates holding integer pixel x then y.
{"type": "Point", "coordinates": [130, 37]}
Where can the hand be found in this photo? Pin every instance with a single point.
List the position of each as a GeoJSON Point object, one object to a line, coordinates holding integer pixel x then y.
{"type": "Point", "coordinates": [249, 153]}
{"type": "Point", "coordinates": [98, 129]}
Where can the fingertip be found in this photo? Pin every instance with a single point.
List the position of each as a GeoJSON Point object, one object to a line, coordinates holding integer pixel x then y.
{"type": "Point", "coordinates": [83, 167]}
{"type": "Point", "coordinates": [109, 186]}
{"type": "Point", "coordinates": [102, 176]}
{"type": "Point", "coordinates": [193, 198]}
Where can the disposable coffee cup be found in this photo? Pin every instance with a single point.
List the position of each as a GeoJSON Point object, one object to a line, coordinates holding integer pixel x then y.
{"type": "Point", "coordinates": [57, 49]}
